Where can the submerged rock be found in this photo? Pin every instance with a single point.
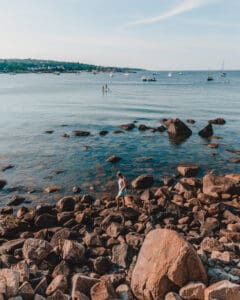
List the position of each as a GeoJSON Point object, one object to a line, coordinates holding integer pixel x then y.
{"type": "Point", "coordinates": [218, 121]}
{"type": "Point", "coordinates": [113, 159]}
{"type": "Point", "coordinates": [81, 133]}
{"type": "Point", "coordinates": [127, 127]}
{"type": "Point", "coordinates": [2, 183]}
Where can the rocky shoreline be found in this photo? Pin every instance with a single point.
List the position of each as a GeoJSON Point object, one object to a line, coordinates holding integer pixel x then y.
{"type": "Point", "coordinates": [178, 240]}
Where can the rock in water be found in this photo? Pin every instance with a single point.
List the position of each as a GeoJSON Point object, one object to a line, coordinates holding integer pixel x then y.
{"type": "Point", "coordinates": [178, 130]}
{"type": "Point", "coordinates": [2, 183]}
{"type": "Point", "coordinates": [206, 131]}
{"type": "Point", "coordinates": [188, 170]}
{"type": "Point", "coordinates": [165, 262]}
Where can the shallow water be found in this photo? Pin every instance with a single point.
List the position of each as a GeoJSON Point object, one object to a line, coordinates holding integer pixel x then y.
{"type": "Point", "coordinates": [30, 104]}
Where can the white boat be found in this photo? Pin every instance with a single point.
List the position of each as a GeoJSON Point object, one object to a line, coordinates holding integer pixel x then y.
{"type": "Point", "coordinates": [169, 74]}
{"type": "Point", "coordinates": [111, 74]}
{"type": "Point", "coordinates": [126, 74]}
{"type": "Point", "coordinates": [180, 73]}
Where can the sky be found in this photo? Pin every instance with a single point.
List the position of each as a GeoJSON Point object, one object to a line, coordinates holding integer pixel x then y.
{"type": "Point", "coordinates": [152, 34]}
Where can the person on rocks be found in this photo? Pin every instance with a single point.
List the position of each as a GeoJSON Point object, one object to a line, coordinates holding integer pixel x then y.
{"type": "Point", "coordinates": [122, 187]}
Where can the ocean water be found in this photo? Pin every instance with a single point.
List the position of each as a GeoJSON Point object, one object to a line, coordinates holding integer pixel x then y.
{"type": "Point", "coordinates": [30, 104]}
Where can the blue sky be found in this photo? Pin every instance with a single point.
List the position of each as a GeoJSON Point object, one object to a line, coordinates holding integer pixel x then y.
{"type": "Point", "coordinates": [153, 34]}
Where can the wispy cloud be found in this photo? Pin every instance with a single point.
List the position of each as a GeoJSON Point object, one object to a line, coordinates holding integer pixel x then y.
{"type": "Point", "coordinates": [186, 5]}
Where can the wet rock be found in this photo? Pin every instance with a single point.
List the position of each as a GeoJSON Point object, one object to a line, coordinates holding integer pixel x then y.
{"type": "Point", "coordinates": [65, 135]}
{"type": "Point", "coordinates": [65, 204]}
{"type": "Point", "coordinates": [103, 290]}
{"type": "Point", "coordinates": [58, 283]}
{"type": "Point", "coordinates": [118, 131]}
{"type": "Point", "coordinates": [5, 168]}
{"type": "Point", "coordinates": [144, 181]}
{"type": "Point", "coordinates": [207, 131]}
{"type": "Point", "coordinates": [142, 127]}
{"type": "Point", "coordinates": [73, 252]}
{"type": "Point", "coordinates": [81, 133]}
{"type": "Point", "coordinates": [213, 185]}
{"type": "Point", "coordinates": [16, 200]}
{"type": "Point", "coordinates": [178, 130]}
{"type": "Point", "coordinates": [6, 210]}
{"type": "Point", "coordinates": [35, 249]}
{"type": "Point", "coordinates": [218, 121]}
{"type": "Point", "coordinates": [2, 183]}
{"type": "Point", "coordinates": [113, 159]}
{"type": "Point", "coordinates": [52, 189]}
{"type": "Point", "coordinates": [188, 170]}
{"type": "Point", "coordinates": [103, 132]}
{"type": "Point", "coordinates": [223, 290]}
{"type": "Point", "coordinates": [165, 261]}
{"type": "Point", "coordinates": [120, 255]}
{"type": "Point", "coordinates": [127, 127]}
{"type": "Point", "coordinates": [193, 291]}
{"type": "Point", "coordinates": [26, 291]}
{"type": "Point", "coordinates": [82, 284]}
{"type": "Point", "coordinates": [11, 278]}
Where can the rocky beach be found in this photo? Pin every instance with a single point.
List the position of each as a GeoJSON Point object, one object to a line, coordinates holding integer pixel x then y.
{"type": "Point", "coordinates": [176, 238]}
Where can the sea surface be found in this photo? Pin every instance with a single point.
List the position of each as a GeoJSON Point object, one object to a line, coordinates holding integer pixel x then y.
{"type": "Point", "coordinates": [31, 104]}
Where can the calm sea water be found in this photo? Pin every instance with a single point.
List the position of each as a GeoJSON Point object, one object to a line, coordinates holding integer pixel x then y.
{"type": "Point", "coordinates": [30, 104]}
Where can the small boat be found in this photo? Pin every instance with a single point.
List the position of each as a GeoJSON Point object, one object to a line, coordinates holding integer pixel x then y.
{"type": "Point", "coordinates": [169, 74]}
{"type": "Point", "coordinates": [210, 78]}
{"type": "Point", "coordinates": [126, 74]}
{"type": "Point", "coordinates": [148, 79]}
{"type": "Point", "coordinates": [180, 73]}
{"type": "Point", "coordinates": [56, 73]}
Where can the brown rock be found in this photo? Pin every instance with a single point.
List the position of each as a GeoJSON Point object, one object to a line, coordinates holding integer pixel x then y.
{"type": "Point", "coordinates": [207, 131]}
{"type": "Point", "coordinates": [26, 291]}
{"type": "Point", "coordinates": [213, 146]}
{"type": "Point", "coordinates": [222, 290]}
{"type": "Point", "coordinates": [127, 127]}
{"type": "Point", "coordinates": [46, 221]}
{"type": "Point", "coordinates": [22, 269]}
{"type": "Point", "coordinates": [103, 290]}
{"type": "Point", "coordinates": [82, 284]}
{"type": "Point", "coordinates": [58, 283]}
{"type": "Point", "coordinates": [16, 200]}
{"type": "Point", "coordinates": [193, 291]}
{"type": "Point", "coordinates": [120, 255]}
{"type": "Point", "coordinates": [11, 280]}
{"type": "Point", "coordinates": [102, 265]}
{"type": "Point", "coordinates": [178, 130]}
{"type": "Point", "coordinates": [124, 292]}
{"type": "Point", "coordinates": [73, 252]}
{"type": "Point", "coordinates": [165, 261]}
{"type": "Point", "coordinates": [188, 170]}
{"type": "Point", "coordinates": [65, 204]}
{"type": "Point", "coordinates": [35, 249]}
{"type": "Point", "coordinates": [218, 121]}
{"type": "Point", "coordinates": [10, 246]}
{"type": "Point", "coordinates": [172, 296]}
{"type": "Point", "coordinates": [113, 159]}
{"type": "Point", "coordinates": [58, 295]}
{"type": "Point", "coordinates": [144, 181]}
{"type": "Point", "coordinates": [52, 189]}
{"type": "Point", "coordinates": [213, 185]}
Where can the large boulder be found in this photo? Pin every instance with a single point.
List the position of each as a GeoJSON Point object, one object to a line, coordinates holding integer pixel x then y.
{"type": "Point", "coordinates": [213, 185]}
{"type": "Point", "coordinates": [165, 262]}
{"type": "Point", "coordinates": [143, 181]}
{"type": "Point", "coordinates": [207, 131]}
{"type": "Point", "coordinates": [178, 130]}
{"type": "Point", "coordinates": [223, 290]}
{"type": "Point", "coordinates": [36, 249]}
